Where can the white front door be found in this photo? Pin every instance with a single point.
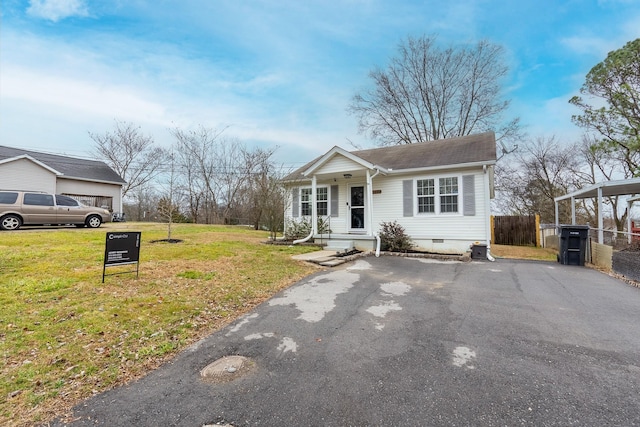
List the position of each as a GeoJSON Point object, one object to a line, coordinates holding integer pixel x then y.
{"type": "Point", "coordinates": [356, 208]}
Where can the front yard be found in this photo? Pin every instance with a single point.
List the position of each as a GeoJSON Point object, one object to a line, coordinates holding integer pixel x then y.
{"type": "Point", "coordinates": [64, 335]}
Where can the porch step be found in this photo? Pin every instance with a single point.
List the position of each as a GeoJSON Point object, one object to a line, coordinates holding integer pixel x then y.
{"type": "Point", "coordinates": [339, 245]}
{"type": "Point", "coordinates": [331, 262]}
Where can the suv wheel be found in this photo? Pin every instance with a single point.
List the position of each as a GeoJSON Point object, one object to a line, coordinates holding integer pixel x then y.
{"type": "Point", "coordinates": [10, 222]}
{"type": "Point", "coordinates": [93, 221]}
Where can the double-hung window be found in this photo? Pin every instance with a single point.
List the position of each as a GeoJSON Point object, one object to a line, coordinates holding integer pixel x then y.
{"type": "Point", "coordinates": [437, 195]}
{"type": "Point", "coordinates": [449, 195]}
{"type": "Point", "coordinates": [322, 201]}
{"type": "Point", "coordinates": [322, 198]}
{"type": "Point", "coordinates": [305, 202]}
{"type": "Point", "coordinates": [426, 196]}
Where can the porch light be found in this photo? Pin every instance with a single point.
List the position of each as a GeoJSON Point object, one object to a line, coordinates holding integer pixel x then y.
{"type": "Point", "coordinates": [347, 175]}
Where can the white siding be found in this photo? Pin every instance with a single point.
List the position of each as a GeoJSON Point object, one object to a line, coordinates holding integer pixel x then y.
{"type": "Point", "coordinates": [70, 186]}
{"type": "Point", "coordinates": [443, 233]}
{"type": "Point", "coordinates": [339, 164]}
{"type": "Point", "coordinates": [439, 233]}
{"type": "Point", "coordinates": [23, 174]}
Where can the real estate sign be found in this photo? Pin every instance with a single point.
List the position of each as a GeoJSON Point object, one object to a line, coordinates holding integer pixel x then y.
{"type": "Point", "coordinates": [121, 248]}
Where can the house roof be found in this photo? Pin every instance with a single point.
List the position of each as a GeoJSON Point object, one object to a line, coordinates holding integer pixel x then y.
{"type": "Point", "coordinates": [67, 167]}
{"type": "Point", "coordinates": [471, 149]}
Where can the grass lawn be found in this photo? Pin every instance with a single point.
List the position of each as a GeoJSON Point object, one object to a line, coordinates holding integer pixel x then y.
{"type": "Point", "coordinates": [64, 335]}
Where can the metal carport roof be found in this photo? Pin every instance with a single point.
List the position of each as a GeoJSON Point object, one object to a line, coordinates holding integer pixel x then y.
{"type": "Point", "coordinates": [622, 187]}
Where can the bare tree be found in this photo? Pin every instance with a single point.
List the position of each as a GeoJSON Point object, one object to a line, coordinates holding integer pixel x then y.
{"type": "Point", "coordinates": [220, 175]}
{"type": "Point", "coordinates": [197, 156]}
{"type": "Point", "coordinates": [542, 170]}
{"type": "Point", "coordinates": [263, 194]}
{"type": "Point", "coordinates": [130, 153]}
{"type": "Point", "coordinates": [142, 204]}
{"type": "Point", "coordinates": [601, 163]}
{"type": "Point", "coordinates": [429, 93]}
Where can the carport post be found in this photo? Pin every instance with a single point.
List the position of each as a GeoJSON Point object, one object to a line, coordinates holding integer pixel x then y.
{"type": "Point", "coordinates": [573, 210]}
{"type": "Point", "coordinates": [600, 218]}
{"type": "Point", "coordinates": [557, 224]}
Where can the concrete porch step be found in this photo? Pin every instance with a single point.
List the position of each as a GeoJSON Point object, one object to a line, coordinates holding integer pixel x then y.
{"type": "Point", "coordinates": [339, 245]}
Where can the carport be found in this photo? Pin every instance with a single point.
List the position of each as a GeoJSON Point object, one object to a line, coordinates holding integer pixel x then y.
{"type": "Point", "coordinates": [625, 187]}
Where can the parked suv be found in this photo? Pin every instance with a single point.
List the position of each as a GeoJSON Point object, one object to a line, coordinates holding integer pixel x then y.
{"type": "Point", "coordinates": [19, 208]}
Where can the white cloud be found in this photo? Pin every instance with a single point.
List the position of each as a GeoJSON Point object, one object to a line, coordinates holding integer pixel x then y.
{"type": "Point", "coordinates": [55, 10]}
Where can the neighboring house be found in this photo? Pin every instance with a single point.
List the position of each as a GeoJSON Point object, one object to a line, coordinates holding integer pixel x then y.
{"type": "Point", "coordinates": [439, 191]}
{"type": "Point", "coordinates": [89, 181]}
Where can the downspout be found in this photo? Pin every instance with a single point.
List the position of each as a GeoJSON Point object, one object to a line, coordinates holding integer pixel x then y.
{"type": "Point", "coordinates": [314, 220]}
{"type": "Point", "coordinates": [370, 186]}
{"type": "Point", "coordinates": [487, 200]}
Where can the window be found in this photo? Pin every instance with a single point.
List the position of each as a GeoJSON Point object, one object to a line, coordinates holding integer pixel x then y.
{"type": "Point", "coordinates": [38, 199]}
{"type": "Point", "coordinates": [449, 194]}
{"type": "Point", "coordinates": [305, 199]}
{"type": "Point", "coordinates": [426, 196]}
{"type": "Point", "coordinates": [65, 201]}
{"type": "Point", "coordinates": [8, 198]}
{"type": "Point", "coordinates": [437, 199]}
{"type": "Point", "coordinates": [322, 201]}
{"type": "Point", "coordinates": [322, 198]}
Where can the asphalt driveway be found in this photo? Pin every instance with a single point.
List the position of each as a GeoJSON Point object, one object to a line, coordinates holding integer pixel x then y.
{"type": "Point", "coordinates": [395, 341]}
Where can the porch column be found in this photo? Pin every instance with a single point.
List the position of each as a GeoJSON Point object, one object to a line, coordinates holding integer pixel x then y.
{"type": "Point", "coordinates": [314, 206]}
{"type": "Point", "coordinates": [369, 223]}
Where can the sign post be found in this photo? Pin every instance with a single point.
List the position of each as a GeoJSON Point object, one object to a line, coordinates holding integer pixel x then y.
{"type": "Point", "coordinates": [121, 248]}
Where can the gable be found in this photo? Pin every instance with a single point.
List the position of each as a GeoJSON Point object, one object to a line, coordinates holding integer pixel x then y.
{"type": "Point", "coordinates": [24, 174]}
{"type": "Point", "coordinates": [339, 164]}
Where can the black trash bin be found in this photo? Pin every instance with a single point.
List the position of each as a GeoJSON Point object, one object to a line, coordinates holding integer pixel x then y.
{"type": "Point", "coordinates": [573, 244]}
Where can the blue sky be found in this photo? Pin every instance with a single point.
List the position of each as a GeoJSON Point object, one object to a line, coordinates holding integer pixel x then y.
{"type": "Point", "coordinates": [278, 73]}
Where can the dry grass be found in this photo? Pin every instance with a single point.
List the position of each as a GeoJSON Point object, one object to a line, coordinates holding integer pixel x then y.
{"type": "Point", "coordinates": [523, 252]}
{"type": "Point", "coordinates": [65, 336]}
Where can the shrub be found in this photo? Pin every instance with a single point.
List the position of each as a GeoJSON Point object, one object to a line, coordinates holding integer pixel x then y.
{"type": "Point", "coordinates": [394, 238]}
{"type": "Point", "coordinates": [298, 229]}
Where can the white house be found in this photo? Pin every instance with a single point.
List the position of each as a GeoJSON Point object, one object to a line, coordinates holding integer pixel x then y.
{"type": "Point", "coordinates": [90, 181]}
{"type": "Point", "coordinates": [439, 191]}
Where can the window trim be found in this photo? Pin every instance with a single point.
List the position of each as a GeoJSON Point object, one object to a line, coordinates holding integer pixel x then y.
{"type": "Point", "coordinates": [437, 197]}
{"type": "Point", "coordinates": [327, 201]}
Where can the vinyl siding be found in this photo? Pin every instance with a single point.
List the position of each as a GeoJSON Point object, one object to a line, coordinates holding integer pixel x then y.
{"type": "Point", "coordinates": [453, 233]}
{"type": "Point", "coordinates": [70, 186]}
{"type": "Point", "coordinates": [339, 165]}
{"type": "Point", "coordinates": [23, 174]}
{"type": "Point", "coordinates": [456, 231]}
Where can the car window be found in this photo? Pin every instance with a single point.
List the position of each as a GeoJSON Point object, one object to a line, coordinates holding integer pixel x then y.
{"type": "Point", "coordinates": [38, 199]}
{"type": "Point", "coordinates": [66, 201]}
{"type": "Point", "coordinates": [8, 198]}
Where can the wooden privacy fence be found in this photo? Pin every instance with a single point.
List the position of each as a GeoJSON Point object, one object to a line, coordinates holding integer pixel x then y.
{"type": "Point", "coordinates": [515, 230]}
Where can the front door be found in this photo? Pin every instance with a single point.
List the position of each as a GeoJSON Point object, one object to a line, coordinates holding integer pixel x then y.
{"type": "Point", "coordinates": [356, 215]}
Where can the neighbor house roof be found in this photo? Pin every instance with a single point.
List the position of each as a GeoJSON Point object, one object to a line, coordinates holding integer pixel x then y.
{"type": "Point", "coordinates": [471, 149]}
{"type": "Point", "coordinates": [67, 167]}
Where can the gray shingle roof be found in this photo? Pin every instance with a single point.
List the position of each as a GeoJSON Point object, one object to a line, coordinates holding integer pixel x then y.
{"type": "Point", "coordinates": [480, 148]}
{"type": "Point", "coordinates": [70, 167]}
